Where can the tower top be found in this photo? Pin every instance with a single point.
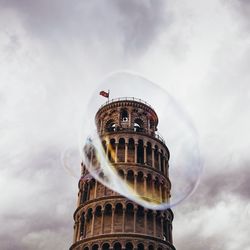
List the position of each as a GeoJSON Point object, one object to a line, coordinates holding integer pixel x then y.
{"type": "Point", "coordinates": [130, 102]}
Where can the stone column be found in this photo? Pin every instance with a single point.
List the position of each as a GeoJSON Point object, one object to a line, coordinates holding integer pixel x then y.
{"type": "Point", "coordinates": [116, 152]}
{"type": "Point", "coordinates": [154, 222]}
{"type": "Point", "coordinates": [88, 191]}
{"type": "Point", "coordinates": [164, 164]}
{"type": "Point", "coordinates": [102, 221]}
{"type": "Point", "coordinates": [92, 223]}
{"type": "Point", "coordinates": [135, 182]}
{"type": "Point", "coordinates": [159, 160]}
{"type": "Point", "coordinates": [145, 154]}
{"type": "Point", "coordinates": [126, 152]}
{"type": "Point", "coordinates": [153, 188]}
{"type": "Point", "coordinates": [145, 185]}
{"type": "Point", "coordinates": [136, 148]}
{"type": "Point", "coordinates": [160, 191]}
{"type": "Point", "coordinates": [135, 217]}
{"type": "Point", "coordinates": [95, 193]}
{"type": "Point", "coordinates": [123, 219]}
{"type": "Point", "coordinates": [112, 220]}
{"type": "Point", "coordinates": [153, 157]}
{"type": "Point", "coordinates": [76, 229]}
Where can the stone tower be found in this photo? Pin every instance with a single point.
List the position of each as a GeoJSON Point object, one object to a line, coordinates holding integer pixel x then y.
{"type": "Point", "coordinates": [106, 220]}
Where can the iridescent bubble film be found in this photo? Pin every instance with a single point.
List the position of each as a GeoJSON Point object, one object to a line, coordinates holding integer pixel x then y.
{"type": "Point", "coordinates": [140, 142]}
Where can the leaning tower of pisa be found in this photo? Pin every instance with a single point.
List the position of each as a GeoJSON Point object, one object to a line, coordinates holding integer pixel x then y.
{"type": "Point", "coordinates": [104, 219]}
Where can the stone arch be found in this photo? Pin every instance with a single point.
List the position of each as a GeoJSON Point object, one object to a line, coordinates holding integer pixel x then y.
{"type": "Point", "coordinates": [105, 246]}
{"type": "Point", "coordinates": [150, 222]}
{"type": "Point", "coordinates": [130, 178]}
{"type": "Point", "coordinates": [140, 152]}
{"type": "Point", "coordinates": [157, 184]}
{"type": "Point", "coordinates": [124, 115]}
{"type": "Point", "coordinates": [140, 183]}
{"type": "Point", "coordinates": [89, 218]}
{"type": "Point", "coordinates": [162, 162]}
{"type": "Point", "coordinates": [98, 219]}
{"type": "Point", "coordinates": [149, 153]}
{"type": "Point", "coordinates": [156, 155]}
{"type": "Point", "coordinates": [110, 126]}
{"type": "Point", "coordinates": [129, 246]}
{"type": "Point", "coordinates": [140, 227]}
{"type": "Point", "coordinates": [107, 218]}
{"type": "Point", "coordinates": [117, 246]}
{"type": "Point", "coordinates": [82, 225]}
{"type": "Point", "coordinates": [140, 246]}
{"type": "Point", "coordinates": [95, 247]}
{"type": "Point", "coordinates": [150, 247]}
{"type": "Point", "coordinates": [92, 188]}
{"type": "Point", "coordinates": [131, 150]}
{"type": "Point", "coordinates": [118, 217]}
{"type": "Point", "coordinates": [129, 217]}
{"type": "Point", "coordinates": [149, 190]}
{"type": "Point", "coordinates": [111, 150]}
{"type": "Point", "coordinates": [121, 173]}
{"type": "Point", "coordinates": [138, 125]}
{"type": "Point", "coordinates": [121, 150]}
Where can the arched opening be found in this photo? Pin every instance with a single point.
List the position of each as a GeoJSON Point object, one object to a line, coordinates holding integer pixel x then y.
{"type": "Point", "coordinates": [150, 218]}
{"type": "Point", "coordinates": [131, 150]}
{"type": "Point", "coordinates": [149, 192]}
{"type": "Point", "coordinates": [111, 151]}
{"type": "Point", "coordinates": [82, 225]}
{"type": "Point", "coordinates": [129, 225]}
{"type": "Point", "coordinates": [107, 218]}
{"type": "Point", "coordinates": [150, 247]}
{"type": "Point", "coordinates": [105, 246]}
{"type": "Point", "coordinates": [130, 178]}
{"type": "Point", "coordinates": [85, 248]}
{"type": "Point", "coordinates": [157, 194]}
{"type": "Point", "coordinates": [158, 225]}
{"type": "Point", "coordinates": [85, 193]}
{"type": "Point", "coordinates": [98, 219]}
{"type": "Point", "coordinates": [89, 219]}
{"type": "Point", "coordinates": [121, 150]}
{"type": "Point", "coordinates": [110, 126]}
{"type": "Point", "coordinates": [140, 220]}
{"type": "Point", "coordinates": [149, 154]}
{"type": "Point", "coordinates": [140, 246]}
{"type": "Point", "coordinates": [140, 152]}
{"type": "Point", "coordinates": [140, 183]}
{"type": "Point", "coordinates": [118, 217]}
{"type": "Point", "coordinates": [121, 173]}
{"type": "Point", "coordinates": [95, 247]}
{"type": "Point", "coordinates": [92, 188]}
{"type": "Point", "coordinates": [124, 115]}
{"type": "Point", "coordinates": [138, 125]}
{"type": "Point", "coordinates": [159, 248]}
{"type": "Point", "coordinates": [162, 162]}
{"type": "Point", "coordinates": [117, 246]}
{"type": "Point", "coordinates": [156, 157]}
{"type": "Point", "coordinates": [129, 246]}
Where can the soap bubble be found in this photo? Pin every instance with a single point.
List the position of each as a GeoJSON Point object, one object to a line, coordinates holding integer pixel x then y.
{"type": "Point", "coordinates": [122, 148]}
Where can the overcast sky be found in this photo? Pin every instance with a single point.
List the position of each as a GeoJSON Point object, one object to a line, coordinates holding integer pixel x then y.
{"type": "Point", "coordinates": [53, 55]}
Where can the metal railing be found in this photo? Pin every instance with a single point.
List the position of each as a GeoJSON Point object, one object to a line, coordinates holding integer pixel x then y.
{"type": "Point", "coordinates": [126, 99]}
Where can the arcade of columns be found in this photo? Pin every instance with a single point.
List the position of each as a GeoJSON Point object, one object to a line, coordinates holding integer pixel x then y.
{"type": "Point", "coordinates": [106, 220]}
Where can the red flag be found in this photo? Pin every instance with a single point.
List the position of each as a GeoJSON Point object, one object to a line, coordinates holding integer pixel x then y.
{"type": "Point", "coordinates": [105, 94]}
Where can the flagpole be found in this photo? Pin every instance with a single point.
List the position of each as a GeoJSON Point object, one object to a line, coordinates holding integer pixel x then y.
{"type": "Point", "coordinates": [108, 95]}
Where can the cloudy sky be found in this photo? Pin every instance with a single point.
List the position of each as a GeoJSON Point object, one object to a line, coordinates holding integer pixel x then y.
{"type": "Point", "coordinates": [52, 56]}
